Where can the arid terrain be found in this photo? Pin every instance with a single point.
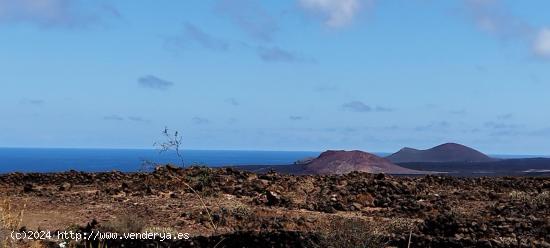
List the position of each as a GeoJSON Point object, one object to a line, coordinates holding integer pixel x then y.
{"type": "Point", "coordinates": [232, 208]}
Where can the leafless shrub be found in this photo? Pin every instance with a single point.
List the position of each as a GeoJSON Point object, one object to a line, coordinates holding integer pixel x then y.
{"type": "Point", "coordinates": [124, 224]}
{"type": "Point", "coordinates": [354, 232]}
{"type": "Point", "coordinates": [173, 142]}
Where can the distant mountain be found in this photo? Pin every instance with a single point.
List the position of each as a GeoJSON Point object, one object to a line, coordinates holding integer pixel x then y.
{"type": "Point", "coordinates": [449, 152]}
{"type": "Point", "coordinates": [341, 162]}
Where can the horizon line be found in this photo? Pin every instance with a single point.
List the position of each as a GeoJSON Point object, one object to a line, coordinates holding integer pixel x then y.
{"type": "Point", "coordinates": [251, 150]}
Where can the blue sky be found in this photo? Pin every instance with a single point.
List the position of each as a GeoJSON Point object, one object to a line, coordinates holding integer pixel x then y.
{"type": "Point", "coordinates": [276, 75]}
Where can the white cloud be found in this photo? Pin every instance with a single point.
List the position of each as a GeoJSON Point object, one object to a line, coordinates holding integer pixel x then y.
{"type": "Point", "coordinates": [492, 17]}
{"type": "Point", "coordinates": [48, 13]}
{"type": "Point", "coordinates": [541, 45]}
{"type": "Point", "coordinates": [337, 13]}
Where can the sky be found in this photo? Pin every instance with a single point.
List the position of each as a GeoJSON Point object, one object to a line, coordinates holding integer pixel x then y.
{"type": "Point", "coordinates": [276, 75]}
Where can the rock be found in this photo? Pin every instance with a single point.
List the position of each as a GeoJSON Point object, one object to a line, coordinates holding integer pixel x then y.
{"type": "Point", "coordinates": [149, 190]}
{"type": "Point", "coordinates": [27, 188]}
{"type": "Point", "coordinates": [273, 198]}
{"type": "Point", "coordinates": [365, 199]}
{"type": "Point", "coordinates": [65, 186]}
{"type": "Point", "coordinates": [262, 183]}
{"type": "Point", "coordinates": [328, 209]}
{"type": "Point", "coordinates": [356, 206]}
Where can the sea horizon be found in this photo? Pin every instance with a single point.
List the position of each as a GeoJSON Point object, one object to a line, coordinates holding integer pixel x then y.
{"type": "Point", "coordinates": [43, 159]}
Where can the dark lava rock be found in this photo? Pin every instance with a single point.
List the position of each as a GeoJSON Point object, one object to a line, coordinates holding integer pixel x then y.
{"type": "Point", "coordinates": [28, 188]}
{"type": "Point", "coordinates": [273, 198]}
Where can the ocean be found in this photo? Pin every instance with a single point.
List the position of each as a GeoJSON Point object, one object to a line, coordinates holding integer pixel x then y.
{"type": "Point", "coordinates": [128, 160]}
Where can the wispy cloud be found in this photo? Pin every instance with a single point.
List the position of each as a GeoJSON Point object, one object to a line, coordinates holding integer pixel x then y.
{"type": "Point", "coordinates": [193, 34]}
{"type": "Point", "coordinates": [458, 112]}
{"type": "Point", "coordinates": [113, 118]}
{"type": "Point", "coordinates": [500, 125]}
{"type": "Point", "coordinates": [544, 132]}
{"type": "Point", "coordinates": [326, 88]}
{"type": "Point", "coordinates": [200, 120]}
{"type": "Point", "coordinates": [434, 126]}
{"type": "Point", "coordinates": [232, 101]}
{"type": "Point", "coordinates": [382, 109]}
{"type": "Point", "coordinates": [153, 82]}
{"type": "Point", "coordinates": [137, 119]}
{"type": "Point", "coordinates": [54, 13]}
{"type": "Point", "coordinates": [122, 118]}
{"type": "Point", "coordinates": [358, 106]}
{"type": "Point", "coordinates": [277, 54]}
{"type": "Point", "coordinates": [33, 101]}
{"type": "Point", "coordinates": [505, 116]}
{"type": "Point", "coordinates": [336, 13]}
{"type": "Point", "coordinates": [493, 18]}
{"type": "Point", "coordinates": [541, 45]}
{"type": "Point", "coordinates": [249, 16]}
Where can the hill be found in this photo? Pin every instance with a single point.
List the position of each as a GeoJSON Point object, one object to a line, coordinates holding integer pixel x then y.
{"type": "Point", "coordinates": [449, 152]}
{"type": "Point", "coordinates": [341, 162]}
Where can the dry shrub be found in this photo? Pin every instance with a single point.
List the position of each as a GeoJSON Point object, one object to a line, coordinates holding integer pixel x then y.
{"type": "Point", "coordinates": [519, 196]}
{"type": "Point", "coordinates": [508, 241]}
{"type": "Point", "coordinates": [242, 212]}
{"type": "Point", "coordinates": [540, 199]}
{"type": "Point", "coordinates": [10, 220]}
{"type": "Point", "coordinates": [354, 232]}
{"type": "Point", "coordinates": [243, 215]}
{"type": "Point", "coordinates": [124, 224]}
{"type": "Point", "coordinates": [36, 244]}
{"type": "Point", "coordinates": [399, 225]}
{"type": "Point", "coordinates": [157, 229]}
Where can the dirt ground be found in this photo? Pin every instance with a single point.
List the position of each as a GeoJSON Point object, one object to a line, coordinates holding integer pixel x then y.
{"type": "Point", "coordinates": [228, 208]}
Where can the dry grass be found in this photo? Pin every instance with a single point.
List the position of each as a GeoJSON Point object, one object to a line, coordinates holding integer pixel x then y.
{"type": "Point", "coordinates": [539, 199]}
{"type": "Point", "coordinates": [156, 229]}
{"type": "Point", "coordinates": [355, 232]}
{"type": "Point", "coordinates": [36, 244]}
{"type": "Point", "coordinates": [10, 220]}
{"type": "Point", "coordinates": [124, 224]}
{"type": "Point", "coordinates": [206, 209]}
{"type": "Point", "coordinates": [519, 195]}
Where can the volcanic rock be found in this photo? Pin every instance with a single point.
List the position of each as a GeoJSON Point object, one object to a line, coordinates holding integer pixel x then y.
{"type": "Point", "coordinates": [341, 162]}
{"type": "Point", "coordinates": [449, 152]}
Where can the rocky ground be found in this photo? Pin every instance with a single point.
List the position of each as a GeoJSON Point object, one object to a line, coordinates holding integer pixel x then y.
{"type": "Point", "coordinates": [234, 208]}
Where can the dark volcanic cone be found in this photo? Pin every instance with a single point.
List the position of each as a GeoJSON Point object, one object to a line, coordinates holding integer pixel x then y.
{"type": "Point", "coordinates": [449, 152]}
{"type": "Point", "coordinates": [340, 162]}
